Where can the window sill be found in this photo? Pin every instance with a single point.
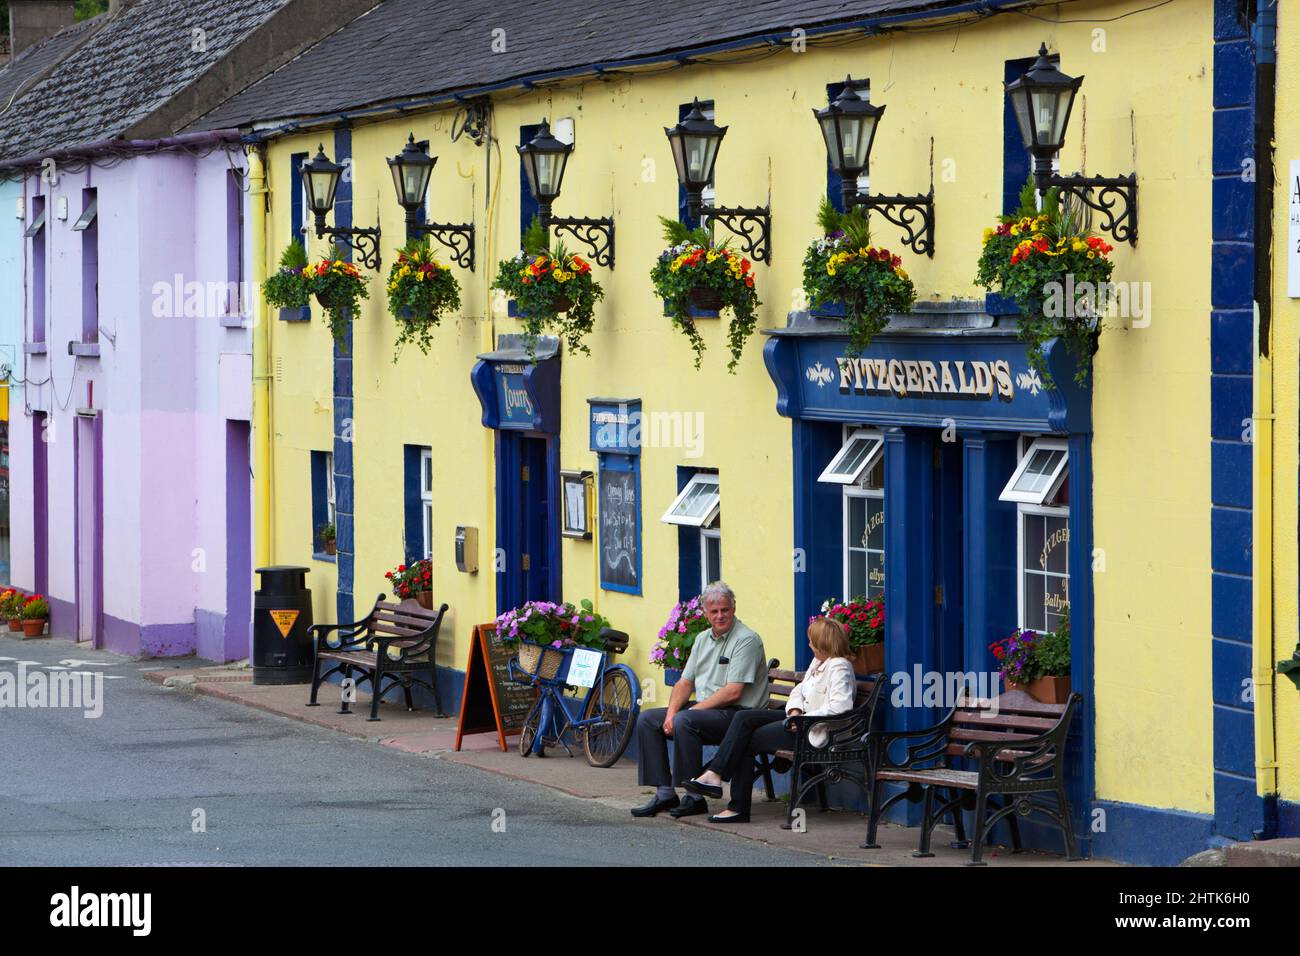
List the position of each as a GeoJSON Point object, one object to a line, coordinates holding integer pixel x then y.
{"type": "Point", "coordinates": [296, 315]}
{"type": "Point", "coordinates": [84, 349]}
{"type": "Point", "coordinates": [327, 558]}
{"type": "Point", "coordinates": [232, 322]}
{"type": "Point", "coordinates": [34, 348]}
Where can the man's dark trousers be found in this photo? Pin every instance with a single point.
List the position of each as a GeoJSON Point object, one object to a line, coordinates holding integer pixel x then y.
{"type": "Point", "coordinates": [692, 729]}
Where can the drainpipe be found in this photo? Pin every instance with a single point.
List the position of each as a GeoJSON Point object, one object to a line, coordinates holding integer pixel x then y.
{"type": "Point", "coordinates": [1264, 37]}
{"type": "Point", "coordinates": [257, 199]}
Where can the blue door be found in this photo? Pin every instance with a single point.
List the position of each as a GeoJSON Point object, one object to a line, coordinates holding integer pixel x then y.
{"type": "Point", "coordinates": [528, 559]}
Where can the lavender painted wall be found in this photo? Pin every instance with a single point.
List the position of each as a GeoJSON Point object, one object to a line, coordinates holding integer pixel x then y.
{"type": "Point", "coordinates": [164, 402]}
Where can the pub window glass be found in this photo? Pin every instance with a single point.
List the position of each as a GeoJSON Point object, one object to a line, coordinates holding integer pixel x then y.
{"type": "Point", "coordinates": [1044, 534]}
{"type": "Point", "coordinates": [426, 502]}
{"type": "Point", "coordinates": [864, 518]}
{"type": "Point", "coordinates": [710, 554]}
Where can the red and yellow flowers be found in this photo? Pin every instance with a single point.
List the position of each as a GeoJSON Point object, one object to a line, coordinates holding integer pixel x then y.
{"type": "Point", "coordinates": [420, 290]}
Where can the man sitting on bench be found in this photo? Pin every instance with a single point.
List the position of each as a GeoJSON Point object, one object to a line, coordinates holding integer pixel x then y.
{"type": "Point", "coordinates": [727, 671]}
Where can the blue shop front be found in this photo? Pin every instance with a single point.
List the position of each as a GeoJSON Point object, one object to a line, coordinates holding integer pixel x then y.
{"type": "Point", "coordinates": [941, 471]}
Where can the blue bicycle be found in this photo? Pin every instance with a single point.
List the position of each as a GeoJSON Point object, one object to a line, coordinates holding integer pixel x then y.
{"type": "Point", "coordinates": [609, 710]}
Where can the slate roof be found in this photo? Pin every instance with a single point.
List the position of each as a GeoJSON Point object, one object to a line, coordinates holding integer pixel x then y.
{"type": "Point", "coordinates": [409, 48]}
{"type": "Point", "coordinates": [39, 57]}
{"type": "Point", "coordinates": [136, 62]}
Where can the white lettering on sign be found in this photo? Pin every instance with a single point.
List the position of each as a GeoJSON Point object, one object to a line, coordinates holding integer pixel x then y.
{"type": "Point", "coordinates": [1293, 232]}
{"type": "Point", "coordinates": [918, 378]}
{"type": "Point", "coordinates": [517, 398]}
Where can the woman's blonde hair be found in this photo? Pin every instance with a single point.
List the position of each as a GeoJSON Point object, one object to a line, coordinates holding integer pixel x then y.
{"type": "Point", "coordinates": [829, 636]}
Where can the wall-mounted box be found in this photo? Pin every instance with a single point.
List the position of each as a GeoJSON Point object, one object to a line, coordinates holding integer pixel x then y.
{"type": "Point", "coordinates": [466, 549]}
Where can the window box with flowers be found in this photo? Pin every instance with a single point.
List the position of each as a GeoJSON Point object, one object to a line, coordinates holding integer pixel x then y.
{"type": "Point", "coordinates": [553, 289]}
{"type": "Point", "coordinates": [36, 614]}
{"type": "Point", "coordinates": [289, 289]}
{"type": "Point", "coordinates": [676, 638]}
{"type": "Point", "coordinates": [1037, 663]}
{"type": "Point", "coordinates": [420, 290]}
{"type": "Point", "coordinates": [1056, 273]}
{"type": "Point", "coordinates": [413, 581]}
{"type": "Point", "coordinates": [865, 620]}
{"type": "Point", "coordinates": [11, 608]}
{"type": "Point", "coordinates": [545, 635]}
{"type": "Point", "coordinates": [328, 536]}
{"type": "Point", "coordinates": [843, 267]}
{"type": "Point", "coordinates": [695, 274]}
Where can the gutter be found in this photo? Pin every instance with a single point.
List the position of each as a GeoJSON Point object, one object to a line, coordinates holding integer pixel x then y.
{"type": "Point", "coordinates": [258, 201]}
{"type": "Point", "coordinates": [868, 26]}
{"type": "Point", "coordinates": [140, 146]}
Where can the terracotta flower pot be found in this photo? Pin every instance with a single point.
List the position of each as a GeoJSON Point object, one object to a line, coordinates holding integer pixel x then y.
{"type": "Point", "coordinates": [425, 598]}
{"type": "Point", "coordinates": [706, 299]}
{"type": "Point", "coordinates": [869, 658]}
{"type": "Point", "coordinates": [34, 628]}
{"type": "Point", "coordinates": [1045, 690]}
{"type": "Point", "coordinates": [15, 624]}
{"type": "Point", "coordinates": [331, 547]}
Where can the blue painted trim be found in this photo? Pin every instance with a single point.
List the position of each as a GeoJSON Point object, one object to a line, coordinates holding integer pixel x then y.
{"type": "Point", "coordinates": [295, 198]}
{"type": "Point", "coordinates": [411, 503]}
{"type": "Point", "coordinates": [688, 546]}
{"type": "Point", "coordinates": [1081, 748]}
{"type": "Point", "coordinates": [818, 527]}
{"type": "Point", "coordinates": [528, 205]}
{"type": "Point", "coordinates": [344, 503]}
{"type": "Point", "coordinates": [989, 565]}
{"type": "Point", "coordinates": [1149, 836]}
{"type": "Point", "coordinates": [319, 495]}
{"type": "Point", "coordinates": [1015, 158]}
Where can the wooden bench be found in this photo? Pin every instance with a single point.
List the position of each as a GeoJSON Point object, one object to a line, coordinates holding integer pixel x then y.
{"type": "Point", "coordinates": [394, 642]}
{"type": "Point", "coordinates": [1018, 744]}
{"type": "Point", "coordinates": [842, 757]}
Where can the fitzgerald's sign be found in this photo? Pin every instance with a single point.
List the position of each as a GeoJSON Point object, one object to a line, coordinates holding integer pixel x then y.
{"type": "Point", "coordinates": [903, 377]}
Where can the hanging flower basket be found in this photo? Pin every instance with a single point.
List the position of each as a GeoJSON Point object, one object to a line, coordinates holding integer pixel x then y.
{"type": "Point", "coordinates": [1056, 273]}
{"type": "Point", "coordinates": [289, 287]}
{"type": "Point", "coordinates": [339, 287]}
{"type": "Point", "coordinates": [695, 272]}
{"type": "Point", "coordinates": [420, 290]}
{"type": "Point", "coordinates": [868, 281]}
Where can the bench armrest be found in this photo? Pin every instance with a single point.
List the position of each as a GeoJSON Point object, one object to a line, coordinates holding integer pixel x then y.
{"type": "Point", "coordinates": [355, 634]}
{"type": "Point", "coordinates": [931, 742]}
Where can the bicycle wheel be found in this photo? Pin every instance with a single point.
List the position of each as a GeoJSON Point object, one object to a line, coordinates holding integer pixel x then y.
{"type": "Point", "coordinates": [615, 707]}
{"type": "Point", "coordinates": [529, 732]}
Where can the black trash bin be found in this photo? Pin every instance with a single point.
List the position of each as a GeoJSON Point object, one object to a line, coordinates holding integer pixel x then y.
{"type": "Point", "coordinates": [282, 651]}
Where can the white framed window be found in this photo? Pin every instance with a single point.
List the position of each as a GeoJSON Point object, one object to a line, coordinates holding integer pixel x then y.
{"type": "Point", "coordinates": [1042, 534]}
{"type": "Point", "coordinates": [329, 487]}
{"type": "Point", "coordinates": [1040, 473]}
{"type": "Point", "coordinates": [426, 501]}
{"type": "Point", "coordinates": [698, 504]}
{"type": "Point", "coordinates": [862, 450]}
{"type": "Point", "coordinates": [710, 555]}
{"type": "Point", "coordinates": [864, 514]}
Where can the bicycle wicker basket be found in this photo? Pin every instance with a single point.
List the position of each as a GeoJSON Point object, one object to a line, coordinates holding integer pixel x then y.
{"type": "Point", "coordinates": [544, 662]}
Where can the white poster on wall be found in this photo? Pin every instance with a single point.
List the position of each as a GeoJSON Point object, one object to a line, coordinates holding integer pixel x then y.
{"type": "Point", "coordinates": [1293, 232]}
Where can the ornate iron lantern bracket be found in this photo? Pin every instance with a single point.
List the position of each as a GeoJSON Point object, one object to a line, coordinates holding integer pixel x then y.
{"type": "Point", "coordinates": [904, 212]}
{"type": "Point", "coordinates": [596, 234]}
{"type": "Point", "coordinates": [752, 224]}
{"type": "Point", "coordinates": [458, 237]}
{"type": "Point", "coordinates": [363, 243]}
{"type": "Point", "coordinates": [1112, 191]}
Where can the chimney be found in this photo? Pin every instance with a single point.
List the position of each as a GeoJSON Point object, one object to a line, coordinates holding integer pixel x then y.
{"type": "Point", "coordinates": [31, 21]}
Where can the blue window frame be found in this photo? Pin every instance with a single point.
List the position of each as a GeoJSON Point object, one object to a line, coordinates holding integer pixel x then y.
{"type": "Point", "coordinates": [1015, 158]}
{"type": "Point", "coordinates": [322, 499]}
{"type": "Point", "coordinates": [699, 546]}
{"type": "Point", "coordinates": [297, 214]}
{"type": "Point", "coordinates": [417, 499]}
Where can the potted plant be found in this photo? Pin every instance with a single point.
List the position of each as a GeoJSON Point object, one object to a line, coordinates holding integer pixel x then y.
{"type": "Point", "coordinates": [865, 620]}
{"type": "Point", "coordinates": [677, 637]}
{"type": "Point", "coordinates": [420, 290]}
{"type": "Point", "coordinates": [548, 284]}
{"type": "Point", "coordinates": [36, 612]}
{"type": "Point", "coordinates": [339, 287]}
{"type": "Point", "coordinates": [1038, 664]}
{"type": "Point", "coordinates": [843, 266]}
{"type": "Point", "coordinates": [1056, 273]}
{"type": "Point", "coordinates": [290, 287]}
{"type": "Point", "coordinates": [328, 538]}
{"type": "Point", "coordinates": [414, 580]}
{"type": "Point", "coordinates": [11, 608]}
{"type": "Point", "coordinates": [696, 272]}
{"type": "Point", "coordinates": [546, 633]}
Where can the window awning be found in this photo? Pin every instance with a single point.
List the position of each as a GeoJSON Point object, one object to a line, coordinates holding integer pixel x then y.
{"type": "Point", "coordinates": [1040, 473]}
{"type": "Point", "coordinates": [698, 504]}
{"type": "Point", "coordinates": [860, 452]}
{"type": "Point", "coordinates": [37, 225]}
{"type": "Point", "coordinates": [87, 217]}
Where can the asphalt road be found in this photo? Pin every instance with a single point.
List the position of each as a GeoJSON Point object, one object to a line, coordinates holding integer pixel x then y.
{"type": "Point", "coordinates": [123, 789]}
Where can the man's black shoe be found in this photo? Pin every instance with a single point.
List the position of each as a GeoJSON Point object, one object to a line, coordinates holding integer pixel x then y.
{"type": "Point", "coordinates": [656, 806]}
{"type": "Point", "coordinates": [702, 789]}
{"type": "Point", "coordinates": [691, 806]}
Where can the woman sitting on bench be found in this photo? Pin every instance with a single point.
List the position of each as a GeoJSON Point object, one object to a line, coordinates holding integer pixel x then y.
{"type": "Point", "coordinates": [827, 689]}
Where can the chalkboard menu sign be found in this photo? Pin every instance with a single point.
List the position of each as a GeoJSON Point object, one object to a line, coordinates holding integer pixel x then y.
{"type": "Point", "coordinates": [620, 524]}
{"type": "Point", "coordinates": [492, 701]}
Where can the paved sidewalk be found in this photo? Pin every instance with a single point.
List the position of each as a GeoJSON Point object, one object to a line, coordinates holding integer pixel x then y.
{"type": "Point", "coordinates": [835, 835]}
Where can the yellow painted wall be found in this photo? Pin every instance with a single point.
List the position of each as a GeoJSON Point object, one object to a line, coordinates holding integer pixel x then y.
{"type": "Point", "coordinates": [1286, 408]}
{"type": "Point", "coordinates": [1151, 394]}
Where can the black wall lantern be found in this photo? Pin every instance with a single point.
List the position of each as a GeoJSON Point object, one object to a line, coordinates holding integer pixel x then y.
{"type": "Point", "coordinates": [544, 158]}
{"type": "Point", "coordinates": [411, 169]}
{"type": "Point", "coordinates": [321, 178]}
{"type": "Point", "coordinates": [849, 128]}
{"type": "Point", "coordinates": [1042, 99]}
{"type": "Point", "coordinates": [695, 142]}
